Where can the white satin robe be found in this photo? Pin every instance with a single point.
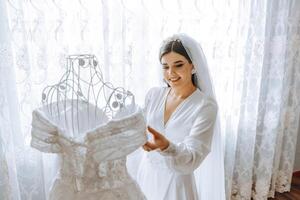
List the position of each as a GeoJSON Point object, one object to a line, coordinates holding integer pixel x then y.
{"type": "Point", "coordinates": [168, 174]}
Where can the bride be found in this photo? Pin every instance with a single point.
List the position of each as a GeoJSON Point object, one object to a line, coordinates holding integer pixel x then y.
{"type": "Point", "coordinates": [181, 119]}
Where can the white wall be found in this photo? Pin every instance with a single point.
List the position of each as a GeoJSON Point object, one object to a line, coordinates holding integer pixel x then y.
{"type": "Point", "coordinates": [297, 156]}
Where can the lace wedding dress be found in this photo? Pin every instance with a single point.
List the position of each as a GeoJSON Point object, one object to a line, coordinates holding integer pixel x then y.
{"type": "Point", "coordinates": [93, 154]}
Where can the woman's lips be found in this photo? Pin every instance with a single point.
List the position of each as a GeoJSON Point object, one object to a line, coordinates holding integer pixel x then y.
{"type": "Point", "coordinates": [173, 80]}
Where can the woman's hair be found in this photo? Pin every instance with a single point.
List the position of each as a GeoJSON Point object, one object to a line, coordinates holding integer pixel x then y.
{"type": "Point", "coordinates": [177, 47]}
{"type": "Point", "coordinates": [173, 46]}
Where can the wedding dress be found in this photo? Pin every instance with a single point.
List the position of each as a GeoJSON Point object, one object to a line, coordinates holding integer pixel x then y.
{"type": "Point", "coordinates": [92, 156]}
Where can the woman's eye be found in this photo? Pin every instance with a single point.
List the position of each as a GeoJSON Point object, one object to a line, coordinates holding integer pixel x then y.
{"type": "Point", "coordinates": [180, 65]}
{"type": "Point", "coordinates": [165, 67]}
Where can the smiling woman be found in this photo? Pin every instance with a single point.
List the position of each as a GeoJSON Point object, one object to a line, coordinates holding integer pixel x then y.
{"type": "Point", "coordinates": [177, 69]}
{"type": "Point", "coordinates": [174, 56]}
{"type": "Point", "coordinates": [181, 120]}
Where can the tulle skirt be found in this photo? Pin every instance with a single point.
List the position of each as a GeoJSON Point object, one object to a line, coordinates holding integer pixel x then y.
{"type": "Point", "coordinates": [64, 189]}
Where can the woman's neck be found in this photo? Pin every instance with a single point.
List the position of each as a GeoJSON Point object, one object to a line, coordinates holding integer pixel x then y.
{"type": "Point", "coordinates": [182, 92]}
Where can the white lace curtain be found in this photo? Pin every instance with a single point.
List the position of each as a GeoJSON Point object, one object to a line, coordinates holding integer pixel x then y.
{"type": "Point", "coordinates": [253, 53]}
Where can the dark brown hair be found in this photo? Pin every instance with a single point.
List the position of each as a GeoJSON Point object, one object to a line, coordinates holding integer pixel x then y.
{"type": "Point", "coordinates": [173, 46]}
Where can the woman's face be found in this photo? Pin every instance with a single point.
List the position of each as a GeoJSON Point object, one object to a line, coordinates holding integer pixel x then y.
{"type": "Point", "coordinates": [177, 70]}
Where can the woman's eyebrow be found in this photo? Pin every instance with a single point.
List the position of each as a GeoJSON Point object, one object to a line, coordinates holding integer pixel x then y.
{"type": "Point", "coordinates": [178, 61]}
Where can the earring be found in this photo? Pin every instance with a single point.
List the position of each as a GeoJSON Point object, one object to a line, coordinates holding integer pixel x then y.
{"type": "Point", "coordinates": [193, 71]}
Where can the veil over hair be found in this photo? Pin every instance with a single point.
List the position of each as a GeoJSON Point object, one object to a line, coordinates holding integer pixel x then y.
{"type": "Point", "coordinates": [209, 175]}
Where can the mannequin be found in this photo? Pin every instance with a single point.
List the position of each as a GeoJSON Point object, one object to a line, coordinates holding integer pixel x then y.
{"type": "Point", "coordinates": [92, 127]}
{"type": "Point", "coordinates": [83, 83]}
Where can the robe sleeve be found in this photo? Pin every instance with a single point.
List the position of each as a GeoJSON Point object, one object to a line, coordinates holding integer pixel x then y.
{"type": "Point", "coordinates": [44, 135]}
{"type": "Point", "coordinates": [186, 156]}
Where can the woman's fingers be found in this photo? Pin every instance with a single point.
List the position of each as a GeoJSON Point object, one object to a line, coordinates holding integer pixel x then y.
{"type": "Point", "coordinates": [154, 132]}
{"type": "Point", "coordinates": [151, 145]}
{"type": "Point", "coordinates": [148, 146]}
{"type": "Point", "coordinates": [159, 142]}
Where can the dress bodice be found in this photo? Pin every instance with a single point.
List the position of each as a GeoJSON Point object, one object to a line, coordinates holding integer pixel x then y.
{"type": "Point", "coordinates": [93, 159]}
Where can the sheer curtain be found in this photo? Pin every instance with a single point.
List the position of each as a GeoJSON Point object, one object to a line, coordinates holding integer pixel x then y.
{"type": "Point", "coordinates": [261, 114]}
{"type": "Point", "coordinates": [252, 47]}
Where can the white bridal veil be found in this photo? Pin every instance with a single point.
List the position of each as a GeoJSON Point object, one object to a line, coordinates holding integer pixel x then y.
{"type": "Point", "coordinates": [210, 175]}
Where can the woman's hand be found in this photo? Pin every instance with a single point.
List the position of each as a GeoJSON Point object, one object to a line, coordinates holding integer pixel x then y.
{"type": "Point", "coordinates": [159, 141]}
